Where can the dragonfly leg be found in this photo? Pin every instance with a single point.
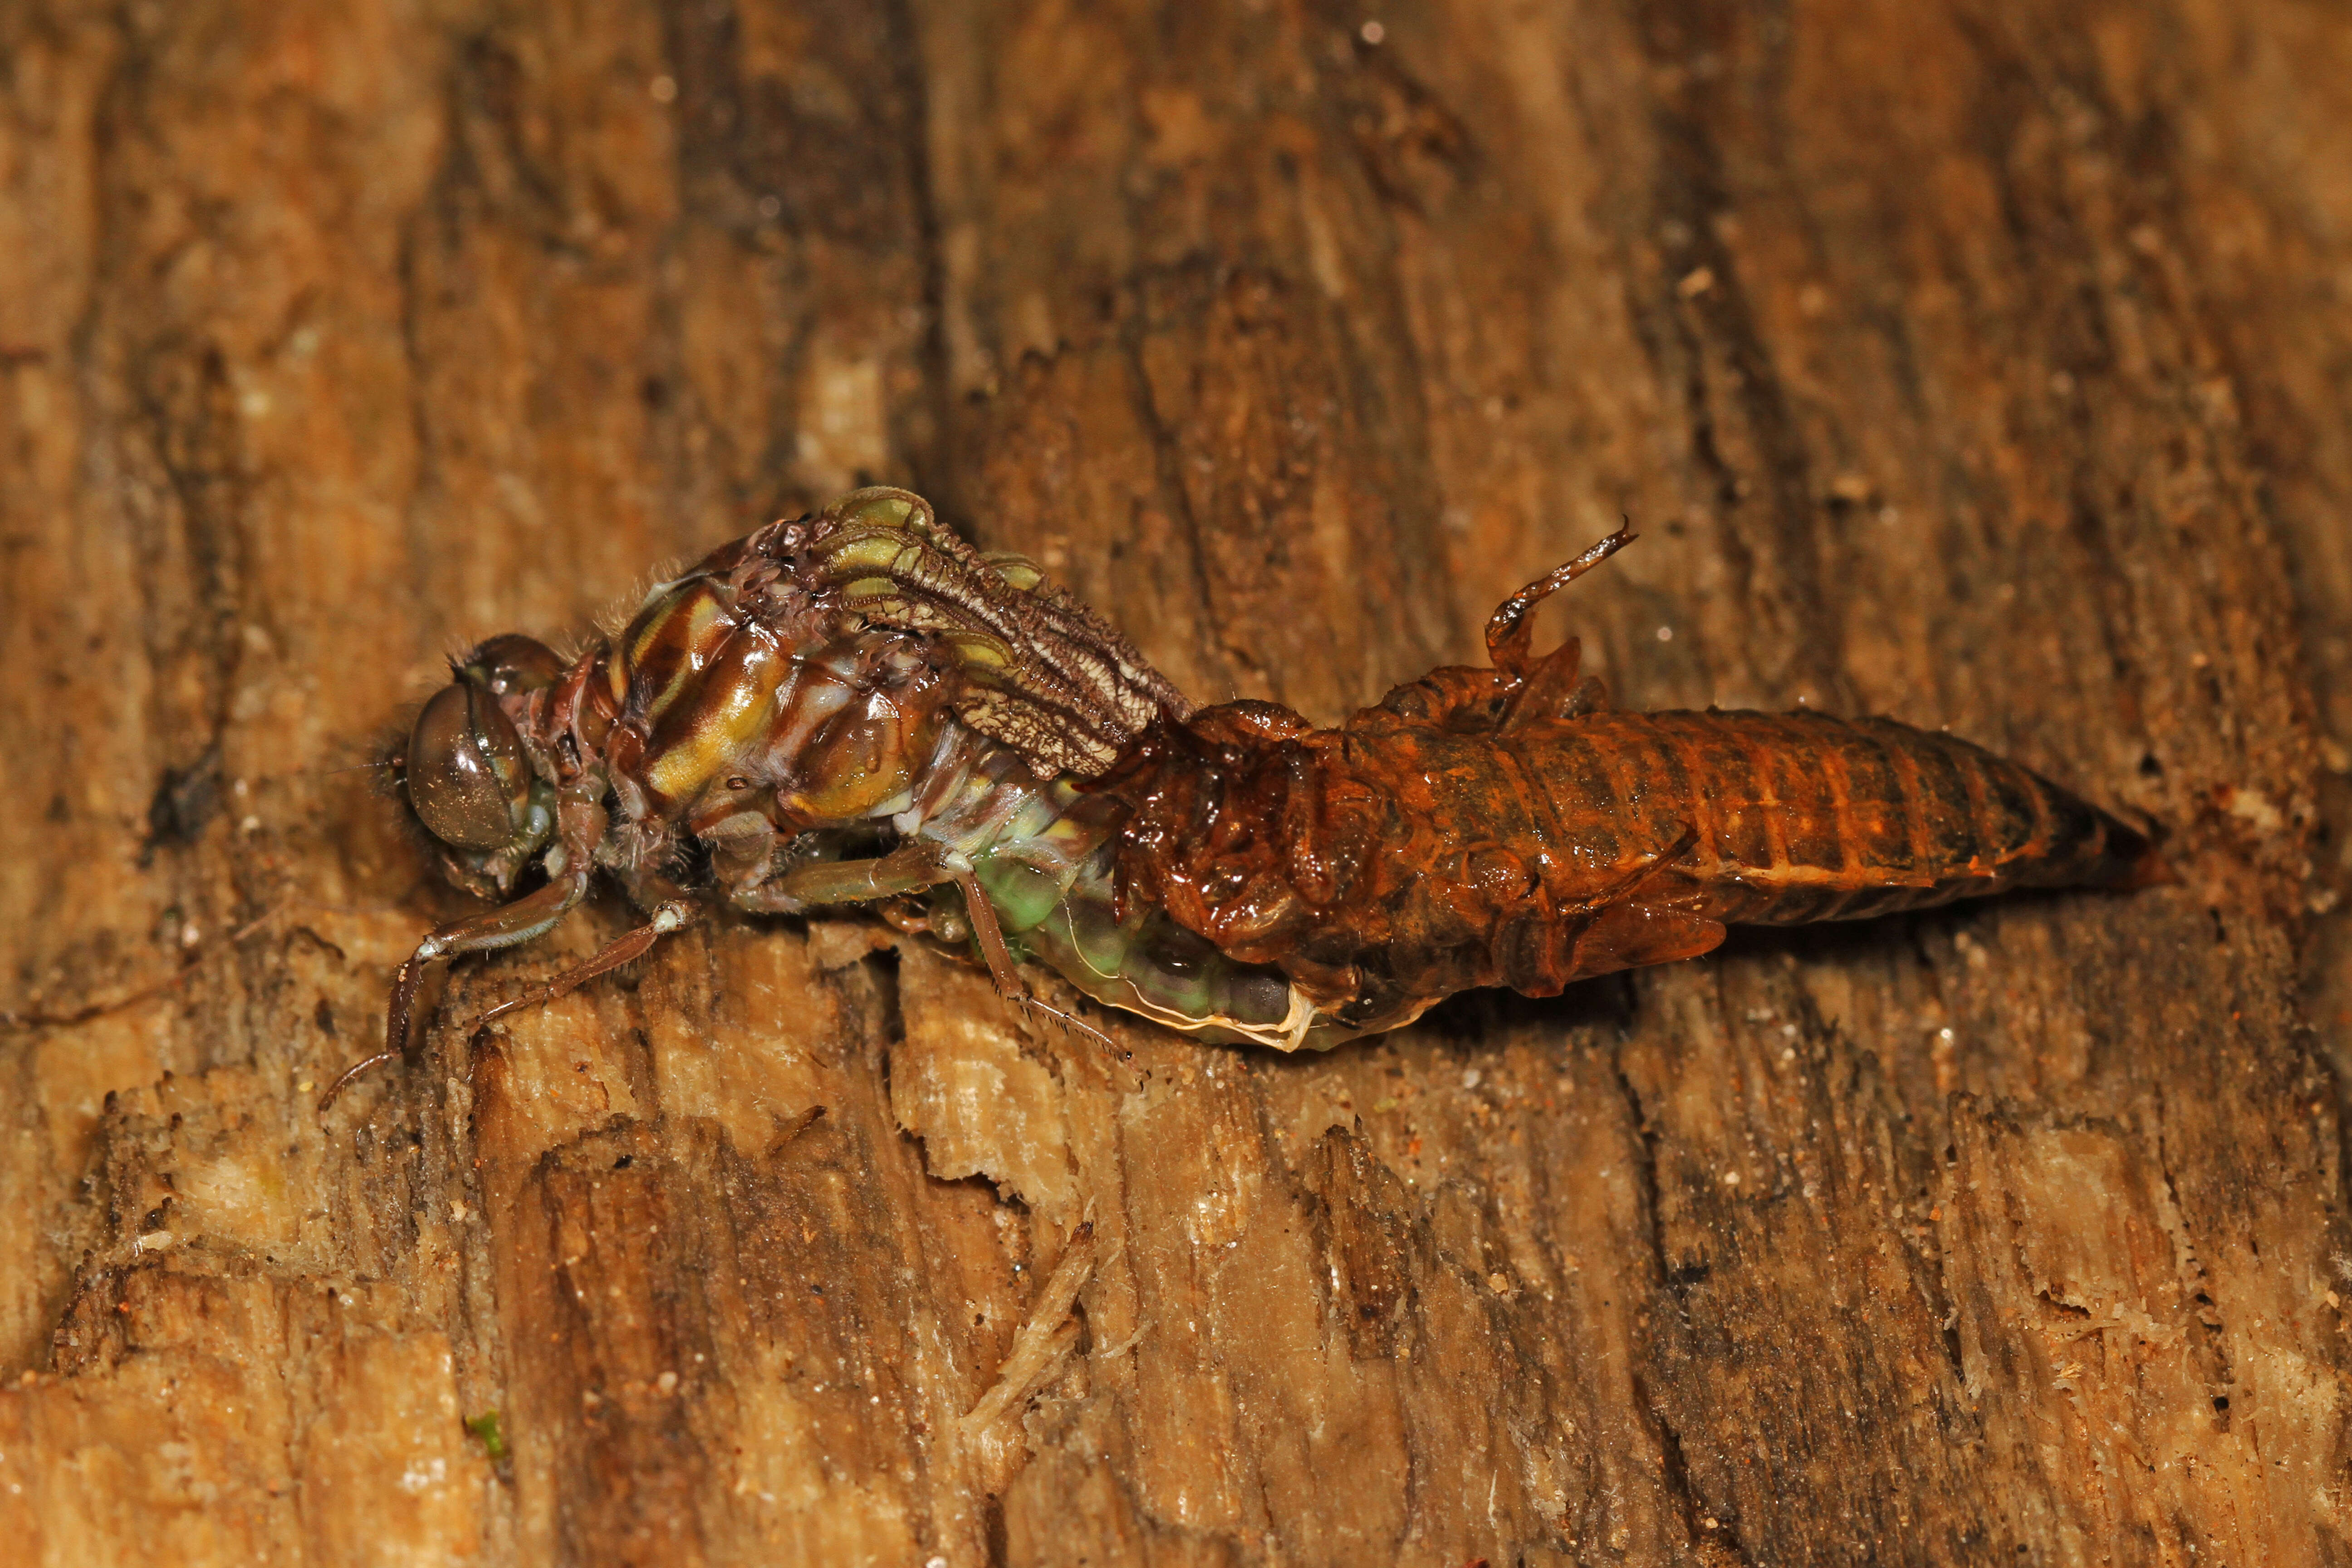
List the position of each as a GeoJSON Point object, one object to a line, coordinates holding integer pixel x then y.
{"type": "Point", "coordinates": [568, 865]}
{"type": "Point", "coordinates": [673, 916]}
{"type": "Point", "coordinates": [908, 869]}
{"type": "Point", "coordinates": [1002, 969]}
{"type": "Point", "coordinates": [1626, 887]}
{"type": "Point", "coordinates": [1508, 635]}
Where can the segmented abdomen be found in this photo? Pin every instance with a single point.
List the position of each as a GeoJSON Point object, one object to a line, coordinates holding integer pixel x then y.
{"type": "Point", "coordinates": [1421, 849]}
{"type": "Point", "coordinates": [1799, 816]}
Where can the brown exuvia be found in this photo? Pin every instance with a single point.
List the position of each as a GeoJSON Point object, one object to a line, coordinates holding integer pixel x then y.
{"type": "Point", "coordinates": [857, 707]}
{"type": "Point", "coordinates": [1503, 826]}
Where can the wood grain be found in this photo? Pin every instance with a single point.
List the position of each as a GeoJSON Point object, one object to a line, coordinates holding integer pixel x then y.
{"type": "Point", "coordinates": [1979, 365]}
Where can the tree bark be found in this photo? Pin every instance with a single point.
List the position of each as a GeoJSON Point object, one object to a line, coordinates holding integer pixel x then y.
{"type": "Point", "coordinates": [1981, 366]}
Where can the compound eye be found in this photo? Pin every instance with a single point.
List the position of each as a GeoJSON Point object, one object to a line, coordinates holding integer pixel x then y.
{"type": "Point", "coordinates": [465, 773]}
{"type": "Point", "coordinates": [511, 663]}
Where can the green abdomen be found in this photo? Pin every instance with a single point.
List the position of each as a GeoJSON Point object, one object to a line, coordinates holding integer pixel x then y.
{"type": "Point", "coordinates": [1047, 875]}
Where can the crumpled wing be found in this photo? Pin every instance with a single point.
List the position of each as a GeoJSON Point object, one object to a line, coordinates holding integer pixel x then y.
{"type": "Point", "coordinates": [1042, 673]}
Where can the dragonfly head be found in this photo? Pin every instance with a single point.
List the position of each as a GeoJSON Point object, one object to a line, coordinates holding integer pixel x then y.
{"type": "Point", "coordinates": [465, 772]}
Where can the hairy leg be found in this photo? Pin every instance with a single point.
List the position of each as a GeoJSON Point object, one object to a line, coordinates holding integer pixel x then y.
{"type": "Point", "coordinates": [1003, 971]}
{"type": "Point", "coordinates": [580, 820]}
{"type": "Point", "coordinates": [909, 868]}
{"type": "Point", "coordinates": [674, 915]}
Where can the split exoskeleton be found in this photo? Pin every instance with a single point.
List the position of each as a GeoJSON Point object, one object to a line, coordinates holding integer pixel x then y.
{"type": "Point", "coordinates": [856, 706]}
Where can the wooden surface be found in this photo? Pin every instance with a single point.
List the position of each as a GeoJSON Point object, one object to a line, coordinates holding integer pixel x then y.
{"type": "Point", "coordinates": [1984, 365]}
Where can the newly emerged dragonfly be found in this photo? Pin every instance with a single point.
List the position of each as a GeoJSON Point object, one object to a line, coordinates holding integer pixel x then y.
{"type": "Point", "coordinates": [857, 707]}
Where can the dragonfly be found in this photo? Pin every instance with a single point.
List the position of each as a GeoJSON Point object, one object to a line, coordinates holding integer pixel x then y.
{"type": "Point", "coordinates": [856, 707]}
